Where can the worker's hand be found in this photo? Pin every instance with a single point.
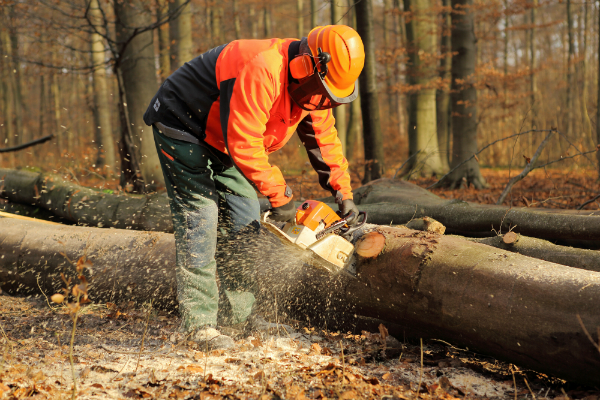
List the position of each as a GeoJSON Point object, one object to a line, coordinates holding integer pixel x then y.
{"type": "Point", "coordinates": [346, 207]}
{"type": "Point", "coordinates": [283, 213]}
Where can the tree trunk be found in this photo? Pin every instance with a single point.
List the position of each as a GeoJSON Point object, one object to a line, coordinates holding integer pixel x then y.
{"type": "Point", "coordinates": [267, 21]}
{"type": "Point", "coordinates": [587, 124]}
{"type": "Point", "coordinates": [8, 92]}
{"type": "Point", "coordinates": [547, 251]}
{"type": "Point", "coordinates": [443, 94]}
{"type": "Point", "coordinates": [15, 67]}
{"type": "Point", "coordinates": [56, 107]}
{"type": "Point", "coordinates": [598, 102]}
{"type": "Point", "coordinates": [532, 81]}
{"type": "Point", "coordinates": [180, 34]}
{"type": "Point", "coordinates": [354, 119]}
{"type": "Point", "coordinates": [418, 284]}
{"type": "Point", "coordinates": [119, 259]}
{"type": "Point", "coordinates": [236, 20]}
{"type": "Point", "coordinates": [86, 206]}
{"type": "Point", "coordinates": [570, 60]}
{"type": "Point", "coordinates": [106, 142]}
{"type": "Point", "coordinates": [464, 99]}
{"type": "Point", "coordinates": [314, 11]}
{"type": "Point", "coordinates": [300, 14]}
{"type": "Point", "coordinates": [339, 113]}
{"type": "Point", "coordinates": [136, 65]}
{"type": "Point", "coordinates": [423, 145]}
{"type": "Point", "coordinates": [253, 22]}
{"type": "Point", "coordinates": [373, 136]}
{"type": "Point", "coordinates": [164, 42]}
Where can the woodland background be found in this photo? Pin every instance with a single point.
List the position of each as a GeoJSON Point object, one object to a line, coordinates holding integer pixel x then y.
{"type": "Point", "coordinates": [443, 79]}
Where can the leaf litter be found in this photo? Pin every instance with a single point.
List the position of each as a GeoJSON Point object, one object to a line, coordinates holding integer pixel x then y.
{"type": "Point", "coordinates": [310, 363]}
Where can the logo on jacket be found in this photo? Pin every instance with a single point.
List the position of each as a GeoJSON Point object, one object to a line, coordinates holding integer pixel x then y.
{"type": "Point", "coordinates": [156, 105]}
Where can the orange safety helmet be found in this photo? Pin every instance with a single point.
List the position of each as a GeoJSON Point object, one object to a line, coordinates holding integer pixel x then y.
{"type": "Point", "coordinates": [347, 56]}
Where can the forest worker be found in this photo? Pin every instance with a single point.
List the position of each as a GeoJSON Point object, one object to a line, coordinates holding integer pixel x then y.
{"type": "Point", "coordinates": [216, 120]}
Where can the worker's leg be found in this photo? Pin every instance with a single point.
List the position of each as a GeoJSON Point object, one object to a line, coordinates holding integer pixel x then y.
{"type": "Point", "coordinates": [239, 213]}
{"type": "Point", "coordinates": [193, 200]}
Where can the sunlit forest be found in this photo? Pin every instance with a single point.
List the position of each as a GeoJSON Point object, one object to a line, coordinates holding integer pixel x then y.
{"type": "Point", "coordinates": [531, 66]}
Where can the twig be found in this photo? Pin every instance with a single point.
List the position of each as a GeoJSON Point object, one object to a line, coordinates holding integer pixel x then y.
{"type": "Point", "coordinates": [343, 362]}
{"type": "Point", "coordinates": [44, 294]}
{"type": "Point", "coordinates": [143, 337]}
{"type": "Point", "coordinates": [514, 382]}
{"type": "Point", "coordinates": [566, 158]}
{"type": "Point", "coordinates": [588, 202]}
{"type": "Point", "coordinates": [532, 394]}
{"type": "Point", "coordinates": [71, 353]}
{"type": "Point", "coordinates": [420, 372]}
{"type": "Point", "coordinates": [529, 167]}
{"type": "Point", "coordinates": [119, 373]}
{"type": "Point", "coordinates": [28, 144]}
{"type": "Point", "coordinates": [591, 339]}
{"type": "Point", "coordinates": [8, 343]}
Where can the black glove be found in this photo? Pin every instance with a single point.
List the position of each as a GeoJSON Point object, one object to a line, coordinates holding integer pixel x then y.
{"type": "Point", "coordinates": [346, 207]}
{"type": "Point", "coordinates": [283, 213]}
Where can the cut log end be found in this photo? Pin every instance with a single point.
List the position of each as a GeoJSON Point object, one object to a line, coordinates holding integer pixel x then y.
{"type": "Point", "coordinates": [370, 245]}
{"type": "Point", "coordinates": [510, 238]}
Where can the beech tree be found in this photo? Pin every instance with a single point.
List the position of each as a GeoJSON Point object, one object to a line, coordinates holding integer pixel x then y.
{"type": "Point", "coordinates": [373, 136]}
{"type": "Point", "coordinates": [464, 98]}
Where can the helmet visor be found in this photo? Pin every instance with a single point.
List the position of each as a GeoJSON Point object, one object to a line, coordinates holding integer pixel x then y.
{"type": "Point", "coordinates": [312, 94]}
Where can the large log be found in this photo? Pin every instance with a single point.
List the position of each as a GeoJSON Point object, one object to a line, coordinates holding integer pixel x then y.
{"type": "Point", "coordinates": [418, 284]}
{"type": "Point", "coordinates": [387, 201]}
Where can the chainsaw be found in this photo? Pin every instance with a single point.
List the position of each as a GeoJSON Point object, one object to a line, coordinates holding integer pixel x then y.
{"type": "Point", "coordinates": [322, 234]}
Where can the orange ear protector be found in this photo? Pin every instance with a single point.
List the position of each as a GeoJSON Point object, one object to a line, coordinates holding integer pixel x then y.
{"type": "Point", "coordinates": [301, 66]}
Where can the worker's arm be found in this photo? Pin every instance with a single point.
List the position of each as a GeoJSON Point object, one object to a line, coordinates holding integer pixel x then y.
{"type": "Point", "coordinates": [319, 136]}
{"type": "Point", "coordinates": [246, 102]}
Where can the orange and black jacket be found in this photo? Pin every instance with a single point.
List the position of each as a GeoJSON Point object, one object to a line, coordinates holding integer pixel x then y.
{"type": "Point", "coordinates": [235, 99]}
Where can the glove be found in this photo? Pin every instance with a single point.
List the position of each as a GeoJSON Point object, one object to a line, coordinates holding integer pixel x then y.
{"type": "Point", "coordinates": [346, 207]}
{"type": "Point", "coordinates": [283, 213]}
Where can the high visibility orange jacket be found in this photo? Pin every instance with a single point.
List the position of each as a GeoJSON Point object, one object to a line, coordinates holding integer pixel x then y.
{"type": "Point", "coordinates": [234, 98]}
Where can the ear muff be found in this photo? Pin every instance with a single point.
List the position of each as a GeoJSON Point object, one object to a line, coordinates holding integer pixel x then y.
{"type": "Point", "coordinates": [301, 66]}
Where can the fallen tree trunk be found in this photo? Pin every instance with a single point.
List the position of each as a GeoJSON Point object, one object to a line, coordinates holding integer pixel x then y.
{"type": "Point", "coordinates": [418, 284]}
{"type": "Point", "coordinates": [545, 250]}
{"type": "Point", "coordinates": [85, 206]}
{"type": "Point", "coordinates": [387, 201]}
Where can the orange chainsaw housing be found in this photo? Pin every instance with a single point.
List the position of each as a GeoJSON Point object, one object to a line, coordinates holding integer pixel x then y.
{"type": "Point", "coordinates": [313, 212]}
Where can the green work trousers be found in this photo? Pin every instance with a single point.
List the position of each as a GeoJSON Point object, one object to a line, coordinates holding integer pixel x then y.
{"type": "Point", "coordinates": [214, 208]}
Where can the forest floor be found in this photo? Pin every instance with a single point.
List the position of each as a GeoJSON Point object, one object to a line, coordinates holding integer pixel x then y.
{"type": "Point", "coordinates": [310, 363]}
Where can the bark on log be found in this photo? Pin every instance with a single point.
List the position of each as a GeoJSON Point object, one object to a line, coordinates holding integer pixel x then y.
{"type": "Point", "coordinates": [126, 265]}
{"type": "Point", "coordinates": [387, 201]}
{"type": "Point", "coordinates": [509, 306]}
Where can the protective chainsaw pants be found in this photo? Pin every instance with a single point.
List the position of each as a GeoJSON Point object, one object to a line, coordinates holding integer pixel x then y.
{"type": "Point", "coordinates": [214, 208]}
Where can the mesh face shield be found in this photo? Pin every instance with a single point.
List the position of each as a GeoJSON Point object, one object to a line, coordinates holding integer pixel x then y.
{"type": "Point", "coordinates": [310, 91]}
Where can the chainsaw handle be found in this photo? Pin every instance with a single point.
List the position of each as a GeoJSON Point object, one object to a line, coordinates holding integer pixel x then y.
{"type": "Point", "coordinates": [356, 226]}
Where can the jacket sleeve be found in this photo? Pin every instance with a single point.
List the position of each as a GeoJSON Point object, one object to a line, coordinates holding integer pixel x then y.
{"type": "Point", "coordinates": [319, 136]}
{"type": "Point", "coordinates": [245, 105]}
